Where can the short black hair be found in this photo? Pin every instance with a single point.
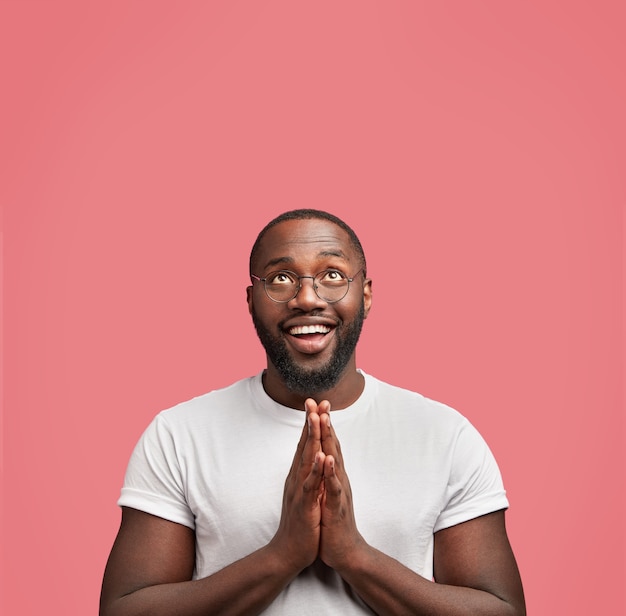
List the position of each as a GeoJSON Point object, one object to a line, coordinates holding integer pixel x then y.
{"type": "Point", "coordinates": [307, 214]}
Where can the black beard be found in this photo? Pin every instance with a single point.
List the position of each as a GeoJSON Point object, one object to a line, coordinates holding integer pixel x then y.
{"type": "Point", "coordinates": [318, 380]}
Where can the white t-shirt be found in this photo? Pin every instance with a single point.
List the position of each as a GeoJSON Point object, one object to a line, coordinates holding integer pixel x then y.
{"type": "Point", "coordinates": [218, 464]}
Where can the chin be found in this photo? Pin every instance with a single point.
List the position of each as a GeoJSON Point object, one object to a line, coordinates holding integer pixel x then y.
{"type": "Point", "coordinates": [302, 378]}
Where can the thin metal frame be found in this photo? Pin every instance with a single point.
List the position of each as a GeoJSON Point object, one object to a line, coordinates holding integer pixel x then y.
{"type": "Point", "coordinates": [299, 278]}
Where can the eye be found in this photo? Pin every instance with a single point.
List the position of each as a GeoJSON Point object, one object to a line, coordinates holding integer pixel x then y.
{"type": "Point", "coordinates": [332, 276]}
{"type": "Point", "coordinates": [279, 278]}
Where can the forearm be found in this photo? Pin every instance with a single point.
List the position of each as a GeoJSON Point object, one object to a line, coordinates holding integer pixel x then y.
{"type": "Point", "coordinates": [152, 560]}
{"type": "Point", "coordinates": [246, 587]}
{"type": "Point", "coordinates": [390, 588]}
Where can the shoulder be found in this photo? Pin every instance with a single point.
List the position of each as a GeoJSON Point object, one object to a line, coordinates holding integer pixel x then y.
{"type": "Point", "coordinates": [402, 401]}
{"type": "Point", "coordinates": [179, 432]}
{"type": "Point", "coordinates": [217, 401]}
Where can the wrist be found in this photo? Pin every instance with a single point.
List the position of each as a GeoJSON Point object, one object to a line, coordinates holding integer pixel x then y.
{"type": "Point", "coordinates": [289, 560]}
{"type": "Point", "coordinates": [351, 558]}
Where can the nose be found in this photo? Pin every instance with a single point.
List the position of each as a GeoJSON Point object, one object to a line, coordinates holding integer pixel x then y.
{"type": "Point", "coordinates": [306, 298]}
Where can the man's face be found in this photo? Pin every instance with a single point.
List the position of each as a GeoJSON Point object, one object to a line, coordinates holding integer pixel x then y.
{"type": "Point", "coordinates": [312, 362]}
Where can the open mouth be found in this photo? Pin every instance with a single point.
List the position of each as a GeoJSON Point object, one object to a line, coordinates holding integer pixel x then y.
{"type": "Point", "coordinates": [310, 339]}
{"type": "Point", "coordinates": [307, 330]}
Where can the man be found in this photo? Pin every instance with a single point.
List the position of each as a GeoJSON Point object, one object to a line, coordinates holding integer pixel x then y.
{"type": "Point", "coordinates": [406, 516]}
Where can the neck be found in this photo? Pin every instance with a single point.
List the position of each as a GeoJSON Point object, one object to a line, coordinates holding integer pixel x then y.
{"type": "Point", "coordinates": [343, 394]}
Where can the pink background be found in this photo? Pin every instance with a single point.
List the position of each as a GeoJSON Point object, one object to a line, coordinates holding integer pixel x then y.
{"type": "Point", "coordinates": [476, 147]}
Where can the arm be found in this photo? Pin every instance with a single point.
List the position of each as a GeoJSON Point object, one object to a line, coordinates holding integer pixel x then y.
{"type": "Point", "coordinates": [150, 567]}
{"type": "Point", "coordinates": [151, 564]}
{"type": "Point", "coordinates": [475, 569]}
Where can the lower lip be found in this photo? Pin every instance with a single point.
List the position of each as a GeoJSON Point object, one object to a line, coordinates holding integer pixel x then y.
{"type": "Point", "coordinates": [311, 343]}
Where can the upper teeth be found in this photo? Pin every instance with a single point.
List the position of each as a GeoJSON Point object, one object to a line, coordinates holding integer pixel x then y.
{"type": "Point", "coordinates": [309, 329]}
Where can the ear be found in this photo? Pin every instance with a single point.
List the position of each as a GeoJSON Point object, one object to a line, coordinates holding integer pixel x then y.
{"type": "Point", "coordinates": [249, 298]}
{"type": "Point", "coordinates": [367, 296]}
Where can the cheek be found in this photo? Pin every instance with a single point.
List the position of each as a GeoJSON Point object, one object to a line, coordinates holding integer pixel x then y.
{"type": "Point", "coordinates": [269, 313]}
{"type": "Point", "coordinates": [350, 312]}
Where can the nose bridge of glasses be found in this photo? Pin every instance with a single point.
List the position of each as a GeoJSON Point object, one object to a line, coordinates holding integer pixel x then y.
{"type": "Point", "coordinates": [312, 278]}
{"type": "Point", "coordinates": [300, 290]}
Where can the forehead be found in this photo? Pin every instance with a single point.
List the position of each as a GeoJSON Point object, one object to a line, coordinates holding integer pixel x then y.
{"type": "Point", "coordinates": [302, 241]}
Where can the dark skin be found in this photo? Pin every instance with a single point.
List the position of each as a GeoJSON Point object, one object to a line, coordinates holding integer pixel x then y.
{"type": "Point", "coordinates": [151, 564]}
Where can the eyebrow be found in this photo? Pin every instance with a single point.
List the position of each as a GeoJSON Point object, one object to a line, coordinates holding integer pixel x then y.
{"type": "Point", "coordinates": [291, 260]}
{"type": "Point", "coordinates": [278, 261]}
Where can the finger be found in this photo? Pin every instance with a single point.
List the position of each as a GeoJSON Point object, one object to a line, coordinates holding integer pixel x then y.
{"type": "Point", "coordinates": [323, 407]}
{"type": "Point", "coordinates": [310, 442]}
{"type": "Point", "coordinates": [313, 421]}
{"type": "Point", "coordinates": [310, 406]}
{"type": "Point", "coordinates": [329, 441]}
{"type": "Point", "coordinates": [313, 442]}
{"type": "Point", "coordinates": [332, 486]}
{"type": "Point", "coordinates": [313, 484]}
{"type": "Point", "coordinates": [323, 410]}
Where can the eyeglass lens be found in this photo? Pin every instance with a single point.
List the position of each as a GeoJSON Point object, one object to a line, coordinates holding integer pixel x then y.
{"type": "Point", "coordinates": [283, 286]}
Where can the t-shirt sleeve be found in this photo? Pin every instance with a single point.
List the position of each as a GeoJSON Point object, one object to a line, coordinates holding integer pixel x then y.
{"type": "Point", "coordinates": [475, 485]}
{"type": "Point", "coordinates": [154, 478]}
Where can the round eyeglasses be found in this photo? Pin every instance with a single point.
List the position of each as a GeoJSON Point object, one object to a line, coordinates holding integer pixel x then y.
{"type": "Point", "coordinates": [331, 285]}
